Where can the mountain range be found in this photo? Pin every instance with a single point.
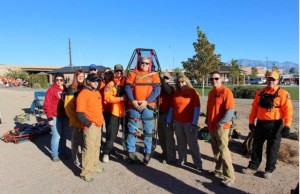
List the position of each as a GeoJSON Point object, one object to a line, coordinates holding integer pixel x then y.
{"type": "Point", "coordinates": [286, 66]}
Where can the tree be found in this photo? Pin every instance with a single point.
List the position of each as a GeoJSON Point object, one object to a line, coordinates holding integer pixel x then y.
{"type": "Point", "coordinates": [204, 61]}
{"type": "Point", "coordinates": [292, 70]}
{"type": "Point", "coordinates": [178, 71]}
{"type": "Point", "coordinates": [275, 67]}
{"type": "Point", "coordinates": [253, 72]}
{"type": "Point", "coordinates": [235, 71]}
{"type": "Point", "coordinates": [16, 74]}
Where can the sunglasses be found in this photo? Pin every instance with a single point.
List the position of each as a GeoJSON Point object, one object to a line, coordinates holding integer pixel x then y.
{"type": "Point", "coordinates": [106, 73]}
{"type": "Point", "coordinates": [214, 78]}
{"type": "Point", "coordinates": [61, 80]}
{"type": "Point", "coordinates": [93, 69]}
{"type": "Point", "coordinates": [142, 63]}
{"type": "Point", "coordinates": [166, 77]}
{"type": "Point", "coordinates": [271, 79]}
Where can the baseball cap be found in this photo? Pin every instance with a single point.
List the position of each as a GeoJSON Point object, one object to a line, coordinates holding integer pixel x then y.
{"type": "Point", "coordinates": [92, 77]}
{"type": "Point", "coordinates": [118, 67]}
{"type": "Point", "coordinates": [167, 74]}
{"type": "Point", "coordinates": [92, 66]}
{"type": "Point", "coordinates": [273, 74]}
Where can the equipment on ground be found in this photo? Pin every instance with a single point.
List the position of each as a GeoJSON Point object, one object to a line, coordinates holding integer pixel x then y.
{"type": "Point", "coordinates": [29, 132]}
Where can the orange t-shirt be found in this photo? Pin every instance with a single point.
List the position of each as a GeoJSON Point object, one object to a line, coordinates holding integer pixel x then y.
{"type": "Point", "coordinates": [184, 102]}
{"type": "Point", "coordinates": [90, 103]}
{"type": "Point", "coordinates": [283, 103]}
{"type": "Point", "coordinates": [219, 101]}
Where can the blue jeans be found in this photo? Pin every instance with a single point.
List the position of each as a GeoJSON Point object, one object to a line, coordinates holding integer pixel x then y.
{"type": "Point", "coordinates": [59, 131]}
{"type": "Point", "coordinates": [133, 125]}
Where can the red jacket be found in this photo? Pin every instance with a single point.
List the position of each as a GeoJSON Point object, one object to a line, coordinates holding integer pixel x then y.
{"type": "Point", "coordinates": [54, 101]}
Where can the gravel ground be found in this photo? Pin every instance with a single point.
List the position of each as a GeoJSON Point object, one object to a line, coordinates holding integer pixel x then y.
{"type": "Point", "coordinates": [27, 168]}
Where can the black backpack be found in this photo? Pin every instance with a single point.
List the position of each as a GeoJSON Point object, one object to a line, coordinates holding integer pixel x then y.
{"type": "Point", "coordinates": [247, 145]}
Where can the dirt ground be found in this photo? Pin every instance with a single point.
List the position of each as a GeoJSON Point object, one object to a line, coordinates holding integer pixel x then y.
{"type": "Point", "coordinates": [27, 168]}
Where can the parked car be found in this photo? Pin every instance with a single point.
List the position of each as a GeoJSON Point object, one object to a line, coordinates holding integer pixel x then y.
{"type": "Point", "coordinates": [258, 80]}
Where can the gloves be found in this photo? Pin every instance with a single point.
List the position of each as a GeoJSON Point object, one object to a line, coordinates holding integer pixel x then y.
{"type": "Point", "coordinates": [285, 132]}
{"type": "Point", "coordinates": [251, 127]}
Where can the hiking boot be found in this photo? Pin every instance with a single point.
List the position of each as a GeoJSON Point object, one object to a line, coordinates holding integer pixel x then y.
{"type": "Point", "coordinates": [227, 183]}
{"type": "Point", "coordinates": [267, 174]}
{"type": "Point", "coordinates": [172, 162]}
{"type": "Point", "coordinates": [105, 158]}
{"type": "Point", "coordinates": [180, 163]}
{"type": "Point", "coordinates": [199, 167]}
{"type": "Point", "coordinates": [132, 157]}
{"type": "Point", "coordinates": [248, 171]}
{"type": "Point", "coordinates": [87, 178]}
{"type": "Point", "coordinates": [164, 161]}
{"type": "Point", "coordinates": [216, 173]}
{"type": "Point", "coordinates": [147, 158]}
{"type": "Point", "coordinates": [55, 159]}
{"type": "Point", "coordinates": [98, 170]}
{"type": "Point", "coordinates": [64, 157]}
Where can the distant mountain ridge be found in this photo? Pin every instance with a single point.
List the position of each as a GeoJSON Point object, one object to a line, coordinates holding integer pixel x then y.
{"type": "Point", "coordinates": [286, 66]}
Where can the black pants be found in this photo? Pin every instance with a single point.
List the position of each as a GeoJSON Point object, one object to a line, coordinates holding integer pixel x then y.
{"type": "Point", "coordinates": [270, 131]}
{"type": "Point", "coordinates": [106, 116]}
{"type": "Point", "coordinates": [113, 129]}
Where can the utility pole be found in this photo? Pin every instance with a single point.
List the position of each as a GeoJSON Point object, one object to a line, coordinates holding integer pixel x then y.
{"type": "Point", "coordinates": [173, 63]}
{"type": "Point", "coordinates": [267, 63]}
{"type": "Point", "coordinates": [70, 53]}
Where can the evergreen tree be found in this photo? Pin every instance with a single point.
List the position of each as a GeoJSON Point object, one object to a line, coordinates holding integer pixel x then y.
{"type": "Point", "coordinates": [204, 61]}
{"type": "Point", "coordinates": [253, 72]}
{"type": "Point", "coordinates": [235, 71]}
{"type": "Point", "coordinates": [292, 70]}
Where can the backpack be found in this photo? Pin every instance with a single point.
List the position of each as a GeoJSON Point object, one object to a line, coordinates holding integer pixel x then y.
{"type": "Point", "coordinates": [203, 134]}
{"type": "Point", "coordinates": [247, 145]}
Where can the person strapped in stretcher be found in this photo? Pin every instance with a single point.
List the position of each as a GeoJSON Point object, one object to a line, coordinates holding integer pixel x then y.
{"type": "Point", "coordinates": [142, 88]}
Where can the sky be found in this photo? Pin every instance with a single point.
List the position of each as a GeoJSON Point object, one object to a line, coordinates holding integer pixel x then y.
{"type": "Point", "coordinates": [106, 32]}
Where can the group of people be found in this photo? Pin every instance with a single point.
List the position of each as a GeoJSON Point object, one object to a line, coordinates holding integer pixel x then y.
{"type": "Point", "coordinates": [12, 82]}
{"type": "Point", "coordinates": [93, 103]}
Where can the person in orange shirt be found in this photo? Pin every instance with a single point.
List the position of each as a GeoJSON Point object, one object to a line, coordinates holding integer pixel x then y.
{"type": "Point", "coordinates": [185, 111]}
{"type": "Point", "coordinates": [166, 134]}
{"type": "Point", "coordinates": [89, 112]}
{"type": "Point", "coordinates": [107, 76]}
{"type": "Point", "coordinates": [142, 88]}
{"type": "Point", "coordinates": [273, 111]}
{"type": "Point", "coordinates": [114, 94]}
{"type": "Point", "coordinates": [220, 110]}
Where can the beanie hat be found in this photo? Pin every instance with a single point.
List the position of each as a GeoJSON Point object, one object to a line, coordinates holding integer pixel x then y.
{"type": "Point", "coordinates": [58, 74]}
